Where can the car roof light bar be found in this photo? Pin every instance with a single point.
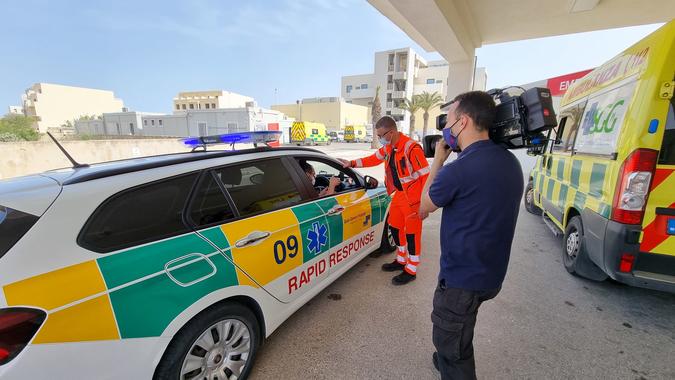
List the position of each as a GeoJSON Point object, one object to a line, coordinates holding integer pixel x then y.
{"type": "Point", "coordinates": [255, 138]}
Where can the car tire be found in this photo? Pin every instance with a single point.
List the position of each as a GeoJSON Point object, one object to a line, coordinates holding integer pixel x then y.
{"type": "Point", "coordinates": [573, 247]}
{"type": "Point", "coordinates": [387, 245]}
{"type": "Point", "coordinates": [233, 321]}
{"type": "Point", "coordinates": [528, 200]}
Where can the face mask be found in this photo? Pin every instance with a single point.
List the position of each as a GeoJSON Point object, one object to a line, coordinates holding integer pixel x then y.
{"type": "Point", "coordinates": [451, 139]}
{"type": "Point", "coordinates": [313, 181]}
{"type": "Point", "coordinates": [384, 141]}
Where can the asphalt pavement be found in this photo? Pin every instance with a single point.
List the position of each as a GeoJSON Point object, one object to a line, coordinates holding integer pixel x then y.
{"type": "Point", "coordinates": [545, 323]}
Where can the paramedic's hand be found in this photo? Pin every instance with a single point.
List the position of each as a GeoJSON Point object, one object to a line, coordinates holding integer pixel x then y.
{"type": "Point", "coordinates": [442, 153]}
{"type": "Point", "coordinates": [345, 163]}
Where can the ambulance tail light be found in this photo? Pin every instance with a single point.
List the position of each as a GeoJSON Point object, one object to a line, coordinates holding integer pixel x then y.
{"type": "Point", "coordinates": [632, 186]}
{"type": "Point", "coordinates": [17, 328]}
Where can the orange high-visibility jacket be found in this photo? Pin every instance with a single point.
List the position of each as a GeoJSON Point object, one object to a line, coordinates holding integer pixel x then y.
{"type": "Point", "coordinates": [411, 166]}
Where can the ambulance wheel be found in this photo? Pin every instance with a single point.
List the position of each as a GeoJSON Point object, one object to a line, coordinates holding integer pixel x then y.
{"type": "Point", "coordinates": [388, 243]}
{"type": "Point", "coordinates": [573, 245]}
{"type": "Point", "coordinates": [528, 200]}
{"type": "Point", "coordinates": [219, 343]}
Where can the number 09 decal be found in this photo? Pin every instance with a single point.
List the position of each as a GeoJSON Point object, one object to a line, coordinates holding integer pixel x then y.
{"type": "Point", "coordinates": [284, 248]}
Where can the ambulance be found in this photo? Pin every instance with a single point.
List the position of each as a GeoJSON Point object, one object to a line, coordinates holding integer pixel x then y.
{"type": "Point", "coordinates": [355, 133]}
{"type": "Point", "coordinates": [175, 266]}
{"type": "Point", "coordinates": [606, 179]}
{"type": "Point", "coordinates": [307, 133]}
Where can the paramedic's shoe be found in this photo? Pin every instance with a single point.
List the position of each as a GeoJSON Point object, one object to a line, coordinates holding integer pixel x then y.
{"type": "Point", "coordinates": [393, 266]}
{"type": "Point", "coordinates": [403, 278]}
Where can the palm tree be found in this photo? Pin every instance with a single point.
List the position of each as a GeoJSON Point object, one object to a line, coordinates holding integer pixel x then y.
{"type": "Point", "coordinates": [411, 105]}
{"type": "Point", "coordinates": [428, 101]}
{"type": "Point", "coordinates": [376, 112]}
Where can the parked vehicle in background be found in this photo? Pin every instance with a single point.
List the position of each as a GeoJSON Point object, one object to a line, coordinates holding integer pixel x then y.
{"type": "Point", "coordinates": [607, 180]}
{"type": "Point", "coordinates": [333, 136]}
{"type": "Point", "coordinates": [355, 133]}
{"type": "Point", "coordinates": [308, 133]}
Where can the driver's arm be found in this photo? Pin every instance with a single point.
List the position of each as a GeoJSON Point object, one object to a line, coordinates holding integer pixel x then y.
{"type": "Point", "coordinates": [330, 190]}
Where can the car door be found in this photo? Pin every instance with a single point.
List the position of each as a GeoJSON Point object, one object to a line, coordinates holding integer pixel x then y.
{"type": "Point", "coordinates": [265, 239]}
{"type": "Point", "coordinates": [348, 212]}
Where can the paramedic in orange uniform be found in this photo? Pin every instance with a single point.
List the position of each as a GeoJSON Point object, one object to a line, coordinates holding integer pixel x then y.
{"type": "Point", "coordinates": [406, 171]}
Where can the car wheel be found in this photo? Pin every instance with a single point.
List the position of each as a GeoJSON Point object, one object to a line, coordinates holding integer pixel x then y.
{"type": "Point", "coordinates": [219, 343]}
{"type": "Point", "coordinates": [388, 243]}
{"type": "Point", "coordinates": [528, 200]}
{"type": "Point", "coordinates": [573, 245]}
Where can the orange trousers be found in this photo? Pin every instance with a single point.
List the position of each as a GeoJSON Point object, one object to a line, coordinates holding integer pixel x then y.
{"type": "Point", "coordinates": [406, 226]}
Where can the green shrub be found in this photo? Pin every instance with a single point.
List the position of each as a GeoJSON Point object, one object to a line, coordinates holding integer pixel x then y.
{"type": "Point", "coordinates": [19, 126]}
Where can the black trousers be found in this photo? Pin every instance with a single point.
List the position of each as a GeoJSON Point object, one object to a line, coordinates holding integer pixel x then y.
{"type": "Point", "coordinates": [454, 319]}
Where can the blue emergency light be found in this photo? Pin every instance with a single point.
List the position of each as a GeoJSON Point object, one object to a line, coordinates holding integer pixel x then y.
{"type": "Point", "coordinates": [255, 138]}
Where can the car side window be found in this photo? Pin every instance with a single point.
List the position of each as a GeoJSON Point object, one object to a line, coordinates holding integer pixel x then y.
{"type": "Point", "coordinates": [209, 204]}
{"type": "Point", "coordinates": [323, 171]}
{"type": "Point", "coordinates": [140, 215]}
{"type": "Point", "coordinates": [259, 186]}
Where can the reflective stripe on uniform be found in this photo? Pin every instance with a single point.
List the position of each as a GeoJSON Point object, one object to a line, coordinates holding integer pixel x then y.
{"type": "Point", "coordinates": [416, 175]}
{"type": "Point", "coordinates": [359, 163]}
{"type": "Point", "coordinates": [414, 258]}
{"type": "Point", "coordinates": [379, 155]}
{"type": "Point", "coordinates": [402, 256]}
{"type": "Point", "coordinates": [412, 269]}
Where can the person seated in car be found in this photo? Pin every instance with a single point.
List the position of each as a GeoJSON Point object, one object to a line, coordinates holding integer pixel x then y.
{"type": "Point", "coordinates": [332, 184]}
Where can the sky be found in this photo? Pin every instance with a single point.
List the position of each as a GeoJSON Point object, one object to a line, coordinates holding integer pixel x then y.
{"type": "Point", "coordinates": [148, 51]}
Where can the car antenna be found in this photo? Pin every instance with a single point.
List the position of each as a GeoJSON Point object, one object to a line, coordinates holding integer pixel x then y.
{"type": "Point", "coordinates": [72, 161]}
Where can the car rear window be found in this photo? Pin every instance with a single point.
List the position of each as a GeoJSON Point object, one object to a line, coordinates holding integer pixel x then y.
{"type": "Point", "coordinates": [13, 225]}
{"type": "Point", "coordinates": [140, 215]}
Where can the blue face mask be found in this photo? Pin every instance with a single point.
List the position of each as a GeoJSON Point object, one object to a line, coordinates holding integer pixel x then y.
{"type": "Point", "coordinates": [451, 139]}
{"type": "Point", "coordinates": [384, 141]}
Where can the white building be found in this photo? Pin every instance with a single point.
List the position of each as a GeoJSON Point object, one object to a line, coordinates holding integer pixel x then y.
{"type": "Point", "coordinates": [15, 110]}
{"type": "Point", "coordinates": [187, 123]}
{"type": "Point", "coordinates": [205, 100]}
{"type": "Point", "coordinates": [400, 74]}
{"type": "Point", "coordinates": [53, 105]}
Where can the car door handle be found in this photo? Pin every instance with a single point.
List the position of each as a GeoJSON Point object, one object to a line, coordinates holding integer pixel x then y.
{"type": "Point", "coordinates": [336, 210]}
{"type": "Point", "coordinates": [253, 238]}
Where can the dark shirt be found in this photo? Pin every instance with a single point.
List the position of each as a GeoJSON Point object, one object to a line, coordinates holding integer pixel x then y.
{"type": "Point", "coordinates": [393, 172]}
{"type": "Point", "coordinates": [480, 194]}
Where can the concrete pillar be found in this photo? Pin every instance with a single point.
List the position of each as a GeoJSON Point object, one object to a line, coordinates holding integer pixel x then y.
{"type": "Point", "coordinates": [460, 77]}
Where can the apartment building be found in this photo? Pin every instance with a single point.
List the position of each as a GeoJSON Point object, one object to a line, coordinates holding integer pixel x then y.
{"type": "Point", "coordinates": [52, 105]}
{"type": "Point", "coordinates": [400, 74]}
{"type": "Point", "coordinates": [205, 100]}
{"type": "Point", "coordinates": [333, 112]}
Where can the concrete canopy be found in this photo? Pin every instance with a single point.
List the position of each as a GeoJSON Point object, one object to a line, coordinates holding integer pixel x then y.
{"type": "Point", "coordinates": [455, 28]}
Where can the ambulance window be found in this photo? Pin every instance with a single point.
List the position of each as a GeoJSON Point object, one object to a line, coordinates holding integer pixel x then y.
{"type": "Point", "coordinates": [667, 155]}
{"type": "Point", "coordinates": [140, 215]}
{"type": "Point", "coordinates": [259, 186]}
{"type": "Point", "coordinates": [315, 131]}
{"type": "Point", "coordinates": [569, 123]}
{"type": "Point", "coordinates": [209, 205]}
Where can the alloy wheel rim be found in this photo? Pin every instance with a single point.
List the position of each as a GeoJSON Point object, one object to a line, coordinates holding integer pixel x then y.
{"type": "Point", "coordinates": [221, 352]}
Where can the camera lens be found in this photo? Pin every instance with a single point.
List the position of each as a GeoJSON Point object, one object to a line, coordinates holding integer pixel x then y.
{"type": "Point", "coordinates": [441, 121]}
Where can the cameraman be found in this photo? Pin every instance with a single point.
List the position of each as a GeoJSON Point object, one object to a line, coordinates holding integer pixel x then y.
{"type": "Point", "coordinates": [480, 193]}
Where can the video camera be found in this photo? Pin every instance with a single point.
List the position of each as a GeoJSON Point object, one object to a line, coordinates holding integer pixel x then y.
{"type": "Point", "coordinates": [520, 120]}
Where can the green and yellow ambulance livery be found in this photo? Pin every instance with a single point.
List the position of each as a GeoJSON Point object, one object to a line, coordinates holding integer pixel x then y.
{"type": "Point", "coordinates": [174, 266]}
{"type": "Point", "coordinates": [607, 180]}
{"type": "Point", "coordinates": [308, 133]}
{"type": "Point", "coordinates": [356, 133]}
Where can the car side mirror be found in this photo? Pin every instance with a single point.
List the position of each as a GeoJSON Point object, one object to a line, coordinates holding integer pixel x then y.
{"type": "Point", "coordinates": [371, 183]}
